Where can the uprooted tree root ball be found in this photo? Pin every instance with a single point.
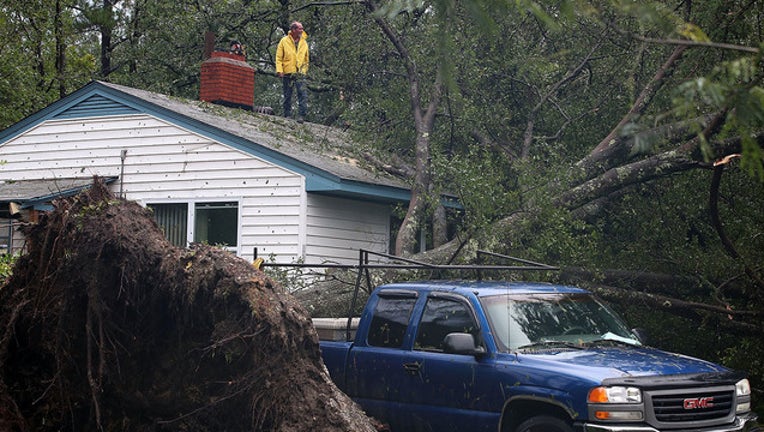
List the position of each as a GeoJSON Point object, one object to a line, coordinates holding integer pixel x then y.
{"type": "Point", "coordinates": [105, 326]}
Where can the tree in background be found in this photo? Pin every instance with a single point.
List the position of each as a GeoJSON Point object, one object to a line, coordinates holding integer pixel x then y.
{"type": "Point", "coordinates": [611, 129]}
{"type": "Point", "coordinates": [43, 57]}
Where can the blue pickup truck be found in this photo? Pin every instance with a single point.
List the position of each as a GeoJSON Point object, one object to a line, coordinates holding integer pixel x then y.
{"type": "Point", "coordinates": [521, 357]}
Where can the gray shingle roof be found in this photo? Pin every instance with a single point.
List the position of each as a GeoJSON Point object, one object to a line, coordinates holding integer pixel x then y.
{"type": "Point", "coordinates": [322, 147]}
{"type": "Point", "coordinates": [26, 192]}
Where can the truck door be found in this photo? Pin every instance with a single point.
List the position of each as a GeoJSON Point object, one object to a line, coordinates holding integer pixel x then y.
{"type": "Point", "coordinates": [449, 390]}
{"type": "Point", "coordinates": [414, 385]}
{"type": "Point", "coordinates": [376, 374]}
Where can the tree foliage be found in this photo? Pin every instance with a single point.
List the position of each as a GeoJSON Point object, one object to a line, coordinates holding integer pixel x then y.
{"type": "Point", "coordinates": [42, 59]}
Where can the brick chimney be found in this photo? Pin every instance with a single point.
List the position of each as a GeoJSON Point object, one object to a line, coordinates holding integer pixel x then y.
{"type": "Point", "coordinates": [227, 79]}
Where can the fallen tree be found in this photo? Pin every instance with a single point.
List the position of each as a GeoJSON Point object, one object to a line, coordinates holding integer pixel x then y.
{"type": "Point", "coordinates": [106, 326]}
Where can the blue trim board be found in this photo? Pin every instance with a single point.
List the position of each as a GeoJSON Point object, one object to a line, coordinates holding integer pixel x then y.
{"type": "Point", "coordinates": [96, 105]}
{"type": "Point", "coordinates": [349, 188]}
{"type": "Point", "coordinates": [69, 103]}
{"type": "Point", "coordinates": [387, 194]}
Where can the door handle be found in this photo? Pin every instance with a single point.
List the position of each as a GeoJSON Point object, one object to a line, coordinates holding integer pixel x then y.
{"type": "Point", "coordinates": [412, 367]}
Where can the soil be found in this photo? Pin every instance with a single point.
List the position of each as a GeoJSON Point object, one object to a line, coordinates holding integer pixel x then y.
{"type": "Point", "coordinates": [105, 326]}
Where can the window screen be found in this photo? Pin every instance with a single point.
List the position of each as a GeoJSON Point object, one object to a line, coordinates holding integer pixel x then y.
{"type": "Point", "coordinates": [442, 316]}
{"type": "Point", "coordinates": [390, 320]}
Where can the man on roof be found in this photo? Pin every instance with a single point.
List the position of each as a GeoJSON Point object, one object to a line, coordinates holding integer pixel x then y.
{"type": "Point", "coordinates": [292, 61]}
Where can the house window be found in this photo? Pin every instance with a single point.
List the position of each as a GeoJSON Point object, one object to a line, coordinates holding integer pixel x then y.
{"type": "Point", "coordinates": [213, 223]}
{"type": "Point", "coordinates": [173, 219]}
{"type": "Point", "coordinates": [216, 223]}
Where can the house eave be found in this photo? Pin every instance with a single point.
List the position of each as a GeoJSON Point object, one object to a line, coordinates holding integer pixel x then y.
{"type": "Point", "coordinates": [383, 194]}
{"type": "Point", "coordinates": [357, 190]}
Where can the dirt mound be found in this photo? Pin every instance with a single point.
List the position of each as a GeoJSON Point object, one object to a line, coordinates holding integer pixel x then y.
{"type": "Point", "coordinates": [106, 326]}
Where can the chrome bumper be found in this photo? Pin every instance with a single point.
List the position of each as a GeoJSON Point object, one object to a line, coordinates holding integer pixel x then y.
{"type": "Point", "coordinates": [742, 423]}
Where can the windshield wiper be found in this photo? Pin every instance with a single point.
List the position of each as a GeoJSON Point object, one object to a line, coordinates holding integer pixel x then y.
{"type": "Point", "coordinates": [608, 341]}
{"type": "Point", "coordinates": [549, 344]}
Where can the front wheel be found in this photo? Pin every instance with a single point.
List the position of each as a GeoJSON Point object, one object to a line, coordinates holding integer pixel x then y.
{"type": "Point", "coordinates": [544, 424]}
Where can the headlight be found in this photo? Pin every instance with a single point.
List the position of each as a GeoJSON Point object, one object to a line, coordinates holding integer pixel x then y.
{"type": "Point", "coordinates": [743, 392]}
{"type": "Point", "coordinates": [616, 394]}
{"type": "Point", "coordinates": [743, 388]}
{"type": "Point", "coordinates": [616, 404]}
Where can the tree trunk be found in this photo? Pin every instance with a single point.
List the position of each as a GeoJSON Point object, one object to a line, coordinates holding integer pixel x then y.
{"type": "Point", "coordinates": [106, 35]}
{"type": "Point", "coordinates": [60, 51]}
{"type": "Point", "coordinates": [439, 226]}
{"type": "Point", "coordinates": [424, 119]}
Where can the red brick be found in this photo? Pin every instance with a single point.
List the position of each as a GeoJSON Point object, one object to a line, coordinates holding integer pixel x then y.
{"type": "Point", "coordinates": [227, 78]}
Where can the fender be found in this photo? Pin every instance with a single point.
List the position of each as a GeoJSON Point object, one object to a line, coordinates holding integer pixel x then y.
{"type": "Point", "coordinates": [554, 399]}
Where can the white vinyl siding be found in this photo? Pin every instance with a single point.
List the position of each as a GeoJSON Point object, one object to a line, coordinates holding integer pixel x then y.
{"type": "Point", "coordinates": [338, 228]}
{"type": "Point", "coordinates": [164, 163]}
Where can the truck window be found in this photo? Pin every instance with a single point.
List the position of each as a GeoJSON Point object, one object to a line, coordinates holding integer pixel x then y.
{"type": "Point", "coordinates": [390, 320]}
{"type": "Point", "coordinates": [523, 319]}
{"type": "Point", "coordinates": [442, 316]}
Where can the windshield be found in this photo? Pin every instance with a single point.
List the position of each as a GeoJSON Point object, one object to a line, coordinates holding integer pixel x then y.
{"type": "Point", "coordinates": [523, 320]}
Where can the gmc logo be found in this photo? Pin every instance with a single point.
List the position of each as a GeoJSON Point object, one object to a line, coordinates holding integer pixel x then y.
{"type": "Point", "coordinates": [698, 403]}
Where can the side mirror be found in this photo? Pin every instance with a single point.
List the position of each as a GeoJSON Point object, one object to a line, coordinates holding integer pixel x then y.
{"type": "Point", "coordinates": [462, 343]}
{"type": "Point", "coordinates": [641, 335]}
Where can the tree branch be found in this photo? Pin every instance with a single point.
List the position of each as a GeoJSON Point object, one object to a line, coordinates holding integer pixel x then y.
{"type": "Point", "coordinates": [688, 309]}
{"type": "Point", "coordinates": [729, 247]}
{"type": "Point", "coordinates": [657, 166]}
{"type": "Point", "coordinates": [640, 105]}
{"type": "Point", "coordinates": [530, 125]}
{"type": "Point", "coordinates": [684, 43]}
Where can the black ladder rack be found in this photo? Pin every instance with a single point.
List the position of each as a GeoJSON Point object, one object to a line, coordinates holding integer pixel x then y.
{"type": "Point", "coordinates": [400, 263]}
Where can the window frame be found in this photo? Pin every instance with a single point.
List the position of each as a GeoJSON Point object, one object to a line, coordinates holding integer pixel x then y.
{"type": "Point", "coordinates": [477, 331]}
{"type": "Point", "coordinates": [372, 333]}
{"type": "Point", "coordinates": [191, 215]}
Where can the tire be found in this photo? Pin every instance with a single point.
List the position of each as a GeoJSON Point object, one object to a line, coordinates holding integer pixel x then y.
{"type": "Point", "coordinates": [544, 424]}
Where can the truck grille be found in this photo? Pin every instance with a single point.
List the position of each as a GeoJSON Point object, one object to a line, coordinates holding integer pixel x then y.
{"type": "Point", "coordinates": [692, 407]}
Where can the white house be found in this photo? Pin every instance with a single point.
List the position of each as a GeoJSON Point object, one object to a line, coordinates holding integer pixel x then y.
{"type": "Point", "coordinates": [211, 173]}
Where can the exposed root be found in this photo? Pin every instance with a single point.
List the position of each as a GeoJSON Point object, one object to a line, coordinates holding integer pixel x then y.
{"type": "Point", "coordinates": [106, 326]}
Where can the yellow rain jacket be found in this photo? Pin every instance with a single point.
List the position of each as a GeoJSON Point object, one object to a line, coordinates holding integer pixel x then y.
{"type": "Point", "coordinates": [290, 59]}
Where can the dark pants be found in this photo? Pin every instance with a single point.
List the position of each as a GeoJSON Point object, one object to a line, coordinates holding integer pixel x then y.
{"type": "Point", "coordinates": [290, 82]}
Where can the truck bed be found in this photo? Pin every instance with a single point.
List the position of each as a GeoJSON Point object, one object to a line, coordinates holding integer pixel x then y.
{"type": "Point", "coordinates": [335, 329]}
